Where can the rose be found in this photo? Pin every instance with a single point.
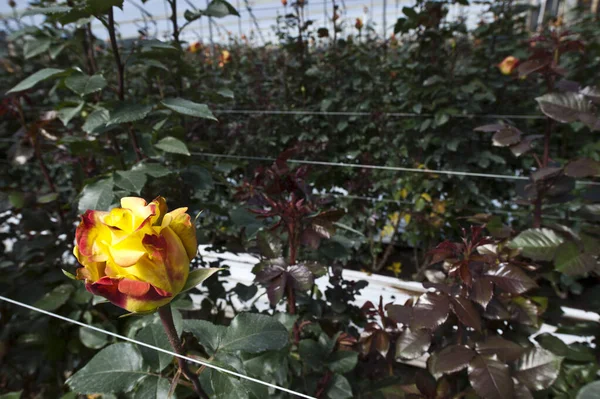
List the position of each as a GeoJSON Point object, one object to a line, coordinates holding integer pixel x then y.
{"type": "Point", "coordinates": [137, 256]}
{"type": "Point", "coordinates": [508, 65]}
{"type": "Point", "coordinates": [358, 24]}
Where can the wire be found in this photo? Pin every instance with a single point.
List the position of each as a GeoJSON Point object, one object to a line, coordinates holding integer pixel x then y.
{"type": "Point", "coordinates": [380, 167]}
{"type": "Point", "coordinates": [351, 113]}
{"type": "Point", "coordinates": [124, 338]}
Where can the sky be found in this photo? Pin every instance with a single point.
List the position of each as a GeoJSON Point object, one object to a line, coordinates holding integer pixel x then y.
{"type": "Point", "coordinates": [131, 18]}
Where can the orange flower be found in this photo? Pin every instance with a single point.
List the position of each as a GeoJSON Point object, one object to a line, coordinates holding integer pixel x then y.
{"type": "Point", "coordinates": [194, 47]}
{"type": "Point", "coordinates": [359, 24]}
{"type": "Point", "coordinates": [284, 2]}
{"type": "Point", "coordinates": [508, 65]}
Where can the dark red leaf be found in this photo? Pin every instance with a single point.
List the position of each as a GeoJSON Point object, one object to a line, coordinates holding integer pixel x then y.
{"type": "Point", "coordinates": [465, 274]}
{"type": "Point", "coordinates": [268, 273]}
{"type": "Point", "coordinates": [430, 311]}
{"type": "Point", "coordinates": [496, 310]}
{"type": "Point", "coordinates": [524, 145]}
{"type": "Point", "coordinates": [509, 135]}
{"type": "Point", "coordinates": [450, 359]}
{"type": "Point", "coordinates": [426, 383]}
{"type": "Point", "coordinates": [538, 369]}
{"type": "Point", "coordinates": [545, 173]}
{"type": "Point", "coordinates": [583, 167]}
{"type": "Point", "coordinates": [511, 279]}
{"type": "Point", "coordinates": [381, 342]}
{"type": "Point", "coordinates": [411, 344]}
{"type": "Point", "coordinates": [482, 291]}
{"type": "Point", "coordinates": [507, 351]}
{"type": "Point", "coordinates": [276, 289]}
{"type": "Point", "coordinates": [531, 66]}
{"type": "Point", "coordinates": [302, 277]}
{"type": "Point", "coordinates": [490, 378]}
{"type": "Point", "coordinates": [466, 312]}
{"type": "Point", "coordinates": [399, 313]}
{"type": "Point", "coordinates": [490, 128]}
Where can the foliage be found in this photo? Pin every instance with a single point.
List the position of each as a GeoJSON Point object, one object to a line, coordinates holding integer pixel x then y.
{"type": "Point", "coordinates": [85, 122]}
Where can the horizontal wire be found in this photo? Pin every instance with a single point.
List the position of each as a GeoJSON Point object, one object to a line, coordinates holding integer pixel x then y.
{"type": "Point", "coordinates": [370, 113]}
{"type": "Point", "coordinates": [124, 338]}
{"type": "Point", "coordinates": [379, 167]}
{"type": "Point", "coordinates": [365, 166]}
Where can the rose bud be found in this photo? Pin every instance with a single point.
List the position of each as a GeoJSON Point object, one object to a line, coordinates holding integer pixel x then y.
{"type": "Point", "coordinates": [508, 65]}
{"type": "Point", "coordinates": [137, 256]}
{"type": "Point", "coordinates": [359, 24]}
{"type": "Point", "coordinates": [194, 47]}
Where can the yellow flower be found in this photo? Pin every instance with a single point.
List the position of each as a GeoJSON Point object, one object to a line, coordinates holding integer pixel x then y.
{"type": "Point", "coordinates": [508, 65]}
{"type": "Point", "coordinates": [395, 268]}
{"type": "Point", "coordinates": [439, 207]}
{"type": "Point", "coordinates": [225, 58]}
{"type": "Point", "coordinates": [194, 47]}
{"type": "Point", "coordinates": [136, 256]}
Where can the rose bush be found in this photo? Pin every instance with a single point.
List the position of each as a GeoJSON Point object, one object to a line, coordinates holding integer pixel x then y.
{"type": "Point", "coordinates": [136, 256]}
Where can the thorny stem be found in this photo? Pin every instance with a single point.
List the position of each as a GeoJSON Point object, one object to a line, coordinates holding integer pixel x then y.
{"type": "Point", "coordinates": [166, 317]}
{"type": "Point", "coordinates": [293, 245]}
{"type": "Point", "coordinates": [121, 76]}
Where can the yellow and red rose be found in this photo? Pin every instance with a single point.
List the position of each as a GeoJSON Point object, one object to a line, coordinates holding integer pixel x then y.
{"type": "Point", "coordinates": [508, 65]}
{"type": "Point", "coordinates": [358, 24]}
{"type": "Point", "coordinates": [136, 256]}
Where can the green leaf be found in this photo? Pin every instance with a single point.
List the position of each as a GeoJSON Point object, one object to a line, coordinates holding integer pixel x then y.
{"type": "Point", "coordinates": [96, 7]}
{"type": "Point", "coordinates": [34, 79]}
{"type": "Point", "coordinates": [342, 361]}
{"type": "Point", "coordinates": [571, 261]}
{"type": "Point", "coordinates": [339, 388]}
{"type": "Point", "coordinates": [116, 368]}
{"type": "Point", "coordinates": [227, 387]}
{"type": "Point", "coordinates": [84, 84]}
{"type": "Point", "coordinates": [152, 169]}
{"type": "Point", "coordinates": [590, 391]}
{"type": "Point", "coordinates": [153, 387]}
{"type": "Point", "coordinates": [96, 120]}
{"type": "Point", "coordinates": [155, 335]}
{"type": "Point", "coordinates": [97, 196]}
{"type": "Point", "coordinates": [190, 108]}
{"type": "Point", "coordinates": [537, 244]}
{"type": "Point", "coordinates": [69, 275]}
{"type": "Point", "coordinates": [226, 93]}
{"type": "Point", "coordinates": [126, 113]}
{"type": "Point", "coordinates": [45, 10]}
{"type": "Point", "coordinates": [36, 47]}
{"type": "Point", "coordinates": [220, 9]}
{"type": "Point", "coordinates": [67, 113]}
{"type": "Point", "coordinates": [270, 245]}
{"type": "Point", "coordinates": [55, 298]}
{"type": "Point", "coordinates": [172, 145]}
{"type": "Point", "coordinates": [208, 334]}
{"type": "Point", "coordinates": [130, 180]}
{"type": "Point", "coordinates": [196, 277]}
{"type": "Point", "coordinates": [93, 339]}
{"type": "Point", "coordinates": [254, 333]}
{"type": "Point", "coordinates": [538, 369]}
{"type": "Point", "coordinates": [11, 395]}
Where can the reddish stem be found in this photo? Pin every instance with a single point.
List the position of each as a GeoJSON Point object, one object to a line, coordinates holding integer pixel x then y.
{"type": "Point", "coordinates": [166, 317]}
